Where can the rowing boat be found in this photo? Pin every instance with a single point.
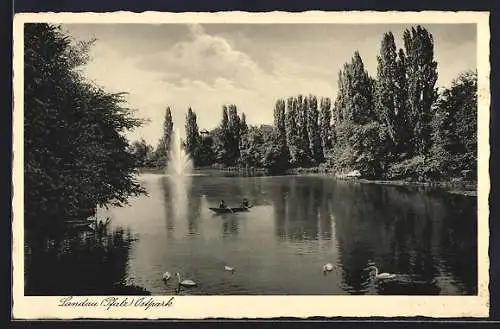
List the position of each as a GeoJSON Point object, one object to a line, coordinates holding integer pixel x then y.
{"type": "Point", "coordinates": [230, 210]}
{"type": "Point", "coordinates": [78, 224]}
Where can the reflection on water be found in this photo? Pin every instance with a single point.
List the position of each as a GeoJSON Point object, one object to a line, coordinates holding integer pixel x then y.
{"type": "Point", "coordinates": [80, 263]}
{"type": "Point", "coordinates": [408, 233]}
{"type": "Point", "coordinates": [297, 225]}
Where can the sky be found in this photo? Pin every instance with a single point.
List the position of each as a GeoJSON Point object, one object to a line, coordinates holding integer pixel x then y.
{"type": "Point", "coordinates": [250, 65]}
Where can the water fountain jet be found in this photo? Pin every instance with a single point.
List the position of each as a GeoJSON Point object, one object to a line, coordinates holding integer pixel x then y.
{"type": "Point", "coordinates": [178, 171]}
{"type": "Point", "coordinates": [178, 163]}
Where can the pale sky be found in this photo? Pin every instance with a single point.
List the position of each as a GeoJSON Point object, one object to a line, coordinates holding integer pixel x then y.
{"type": "Point", "coordinates": [250, 65]}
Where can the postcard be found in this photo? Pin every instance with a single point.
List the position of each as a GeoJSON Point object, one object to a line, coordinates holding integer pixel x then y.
{"type": "Point", "coordinates": [251, 165]}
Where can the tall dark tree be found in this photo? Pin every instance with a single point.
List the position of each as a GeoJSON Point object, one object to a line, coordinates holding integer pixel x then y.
{"type": "Point", "coordinates": [360, 139]}
{"type": "Point", "coordinates": [162, 150]}
{"type": "Point", "coordinates": [354, 102]}
{"type": "Point", "coordinates": [192, 136]}
{"type": "Point", "coordinates": [360, 106]}
{"type": "Point", "coordinates": [314, 132]}
{"type": "Point", "coordinates": [386, 85]}
{"type": "Point", "coordinates": [279, 123]}
{"type": "Point", "coordinates": [234, 134]}
{"type": "Point", "coordinates": [325, 123]}
{"type": "Point", "coordinates": [292, 128]}
{"type": "Point", "coordinates": [343, 89]}
{"type": "Point", "coordinates": [243, 124]}
{"type": "Point", "coordinates": [304, 154]}
{"type": "Point", "coordinates": [402, 125]}
{"type": "Point", "coordinates": [243, 140]}
{"type": "Point", "coordinates": [168, 127]}
{"type": "Point", "coordinates": [224, 125]}
{"type": "Point", "coordinates": [422, 76]}
{"type": "Point", "coordinates": [279, 138]}
{"type": "Point", "coordinates": [391, 103]}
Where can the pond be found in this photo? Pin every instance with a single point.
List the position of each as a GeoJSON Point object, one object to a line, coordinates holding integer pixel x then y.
{"type": "Point", "coordinates": [297, 225]}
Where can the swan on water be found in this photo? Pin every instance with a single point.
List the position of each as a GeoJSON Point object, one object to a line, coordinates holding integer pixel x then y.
{"type": "Point", "coordinates": [327, 268]}
{"type": "Point", "coordinates": [229, 269]}
{"type": "Point", "coordinates": [166, 276]}
{"type": "Point", "coordinates": [185, 283]}
{"type": "Point", "coordinates": [378, 275]}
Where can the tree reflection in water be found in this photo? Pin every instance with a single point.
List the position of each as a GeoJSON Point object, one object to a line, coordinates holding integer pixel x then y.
{"type": "Point", "coordinates": [422, 236]}
{"type": "Point", "coordinates": [79, 263]}
{"type": "Point", "coordinates": [427, 237]}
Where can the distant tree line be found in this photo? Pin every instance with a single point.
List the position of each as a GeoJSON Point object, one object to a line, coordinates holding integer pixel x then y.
{"type": "Point", "coordinates": [394, 126]}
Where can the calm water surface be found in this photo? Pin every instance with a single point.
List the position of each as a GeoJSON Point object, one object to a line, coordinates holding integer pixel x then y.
{"type": "Point", "coordinates": [297, 225]}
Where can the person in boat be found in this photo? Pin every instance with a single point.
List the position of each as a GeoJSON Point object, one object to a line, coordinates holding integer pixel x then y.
{"type": "Point", "coordinates": [245, 203]}
{"type": "Point", "coordinates": [222, 204]}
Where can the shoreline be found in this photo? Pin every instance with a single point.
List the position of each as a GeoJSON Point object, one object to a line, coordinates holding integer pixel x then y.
{"type": "Point", "coordinates": [461, 188]}
{"type": "Point", "coordinates": [465, 188]}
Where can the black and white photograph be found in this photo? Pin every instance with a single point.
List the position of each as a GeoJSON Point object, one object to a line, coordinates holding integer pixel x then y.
{"type": "Point", "coordinates": [299, 157]}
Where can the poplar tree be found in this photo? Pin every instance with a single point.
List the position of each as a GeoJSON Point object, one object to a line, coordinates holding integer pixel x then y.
{"type": "Point", "coordinates": [303, 144]}
{"type": "Point", "coordinates": [422, 76]}
{"type": "Point", "coordinates": [401, 107]}
{"type": "Point", "coordinates": [354, 102]}
{"type": "Point", "coordinates": [233, 134]}
{"type": "Point", "coordinates": [361, 139]}
{"type": "Point", "coordinates": [243, 141]}
{"type": "Point", "coordinates": [225, 119]}
{"type": "Point", "coordinates": [243, 124]}
{"type": "Point", "coordinates": [314, 132]}
{"type": "Point", "coordinates": [163, 148]}
{"type": "Point", "coordinates": [340, 106]}
{"type": "Point", "coordinates": [325, 124]}
{"type": "Point", "coordinates": [359, 106]}
{"type": "Point", "coordinates": [192, 136]}
{"type": "Point", "coordinates": [168, 127]}
{"type": "Point", "coordinates": [292, 128]}
{"type": "Point", "coordinates": [280, 134]}
{"type": "Point", "coordinates": [386, 86]}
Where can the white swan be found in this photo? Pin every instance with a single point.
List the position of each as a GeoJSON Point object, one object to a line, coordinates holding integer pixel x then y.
{"type": "Point", "coordinates": [166, 276]}
{"type": "Point", "coordinates": [327, 268]}
{"type": "Point", "coordinates": [185, 283]}
{"type": "Point", "coordinates": [229, 269]}
{"type": "Point", "coordinates": [377, 275]}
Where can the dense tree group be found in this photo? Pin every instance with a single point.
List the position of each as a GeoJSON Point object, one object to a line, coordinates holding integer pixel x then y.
{"type": "Point", "coordinates": [454, 130]}
{"type": "Point", "coordinates": [395, 125]}
{"type": "Point", "coordinates": [76, 156]}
